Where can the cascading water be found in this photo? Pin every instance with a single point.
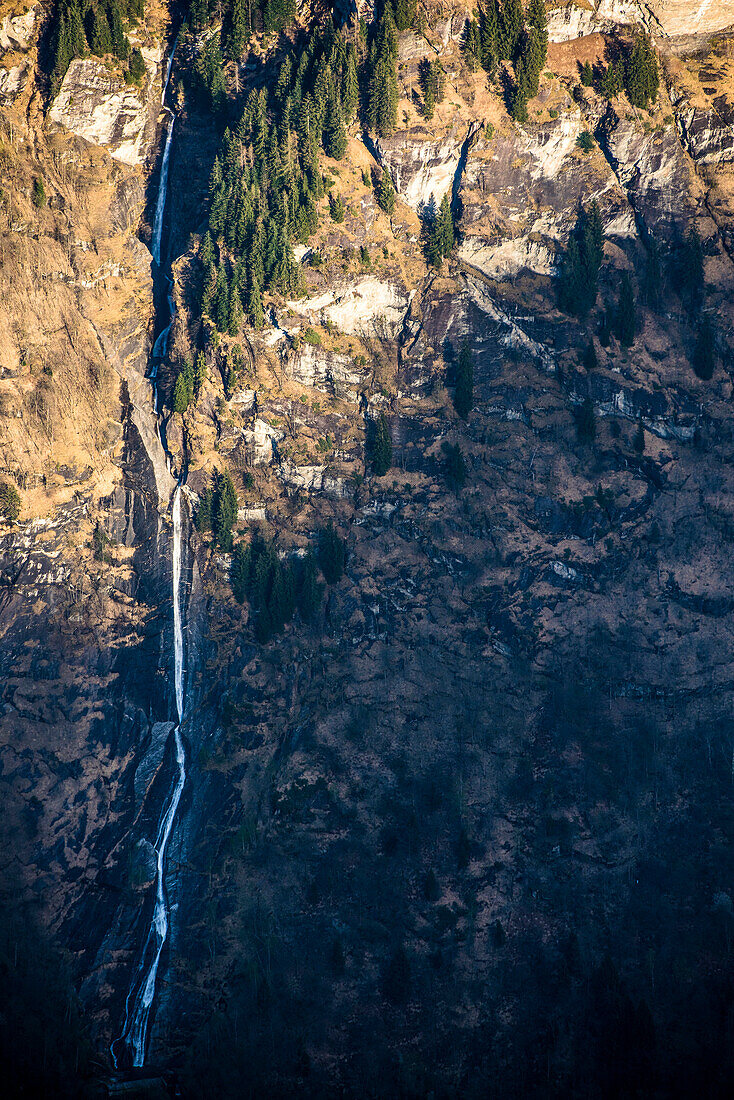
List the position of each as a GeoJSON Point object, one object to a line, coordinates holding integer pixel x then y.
{"type": "Point", "coordinates": [131, 1045]}
{"type": "Point", "coordinates": [161, 345]}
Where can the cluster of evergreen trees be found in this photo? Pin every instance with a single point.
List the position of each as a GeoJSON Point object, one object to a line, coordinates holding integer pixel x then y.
{"type": "Point", "coordinates": [379, 445]}
{"type": "Point", "coordinates": [84, 26]}
{"type": "Point", "coordinates": [381, 75]}
{"type": "Point", "coordinates": [217, 511]}
{"type": "Point", "coordinates": [259, 576]}
{"type": "Point", "coordinates": [438, 231]}
{"type": "Point", "coordinates": [500, 31]}
{"type": "Point", "coordinates": [276, 588]}
{"type": "Point", "coordinates": [245, 18]}
{"type": "Point", "coordinates": [637, 75]}
{"type": "Point", "coordinates": [188, 383]}
{"type": "Point", "coordinates": [579, 270]}
{"type": "Point", "coordinates": [433, 82]}
{"type": "Point", "coordinates": [464, 381]}
{"type": "Point", "coordinates": [385, 192]}
{"type": "Point", "coordinates": [266, 179]}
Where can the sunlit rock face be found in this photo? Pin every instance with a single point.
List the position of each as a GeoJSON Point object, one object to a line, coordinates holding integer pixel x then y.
{"type": "Point", "coordinates": [100, 107]}
{"type": "Point", "coordinates": [17, 32]}
{"type": "Point", "coordinates": [680, 18]}
{"type": "Point", "coordinates": [567, 21]}
{"type": "Point", "coordinates": [675, 19]}
{"type": "Point", "coordinates": [422, 169]}
{"type": "Point", "coordinates": [368, 305]}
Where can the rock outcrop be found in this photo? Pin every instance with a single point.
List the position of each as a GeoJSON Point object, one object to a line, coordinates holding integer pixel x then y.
{"type": "Point", "coordinates": [100, 107]}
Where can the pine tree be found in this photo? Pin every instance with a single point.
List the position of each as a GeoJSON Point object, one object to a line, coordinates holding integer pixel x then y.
{"type": "Point", "coordinates": [225, 510]}
{"type": "Point", "coordinates": [464, 389]}
{"type": "Point", "coordinates": [585, 418]}
{"type": "Point", "coordinates": [350, 85]}
{"type": "Point", "coordinates": [509, 29]}
{"type": "Point", "coordinates": [580, 263]}
{"type": "Point", "coordinates": [641, 73]}
{"type": "Point", "coordinates": [205, 511]}
{"type": "Point", "coordinates": [10, 502]}
{"type": "Point", "coordinates": [118, 40]}
{"type": "Point", "coordinates": [386, 193]}
{"type": "Point", "coordinates": [638, 443]}
{"type": "Point", "coordinates": [612, 82]}
{"type": "Point", "coordinates": [704, 355]}
{"type": "Point", "coordinates": [209, 290]}
{"type": "Point", "coordinates": [404, 12]}
{"type": "Point", "coordinates": [101, 39]}
{"type": "Point", "coordinates": [624, 321]}
{"type": "Point", "coordinates": [77, 38]}
{"type": "Point", "coordinates": [336, 208]}
{"type": "Point", "coordinates": [445, 226]}
{"type": "Point", "coordinates": [221, 300]}
{"type": "Point", "coordinates": [519, 103]}
{"type": "Point", "coordinates": [332, 554]}
{"type": "Point", "coordinates": [382, 90]}
{"type": "Point", "coordinates": [237, 30]}
{"type": "Point", "coordinates": [181, 394]}
{"type": "Point", "coordinates": [432, 234]}
{"type": "Point", "coordinates": [308, 591]}
{"type": "Point", "coordinates": [489, 36]}
{"type": "Point", "coordinates": [334, 135]}
{"type": "Point", "coordinates": [587, 74]}
{"type": "Point", "coordinates": [61, 49]}
{"type": "Point", "coordinates": [472, 44]}
{"type": "Point", "coordinates": [536, 19]}
{"type": "Point", "coordinates": [590, 360]}
{"type": "Point", "coordinates": [39, 192]}
{"type": "Point", "coordinates": [429, 103]}
{"type": "Point", "coordinates": [207, 250]}
{"type": "Point", "coordinates": [199, 374]}
{"type": "Point", "coordinates": [235, 311]}
{"type": "Point", "coordinates": [528, 67]}
{"type": "Point", "coordinates": [255, 313]}
{"type": "Point", "coordinates": [380, 445]}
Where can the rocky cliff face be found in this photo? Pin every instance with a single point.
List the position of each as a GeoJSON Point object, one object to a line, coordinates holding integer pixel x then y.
{"type": "Point", "coordinates": [503, 747]}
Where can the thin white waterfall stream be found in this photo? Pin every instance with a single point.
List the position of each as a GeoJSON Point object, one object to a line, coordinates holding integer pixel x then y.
{"type": "Point", "coordinates": [132, 1042]}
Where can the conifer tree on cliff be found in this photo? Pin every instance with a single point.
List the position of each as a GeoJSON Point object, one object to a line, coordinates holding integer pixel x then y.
{"type": "Point", "coordinates": [334, 134]}
{"type": "Point", "coordinates": [350, 85]}
{"type": "Point", "coordinates": [625, 320]}
{"type": "Point", "coordinates": [237, 30]}
{"type": "Point", "coordinates": [509, 29]}
{"type": "Point", "coordinates": [464, 391]}
{"type": "Point", "coordinates": [579, 268]}
{"type": "Point", "coordinates": [537, 20]}
{"type": "Point", "coordinates": [382, 91]}
{"type": "Point", "coordinates": [641, 73]}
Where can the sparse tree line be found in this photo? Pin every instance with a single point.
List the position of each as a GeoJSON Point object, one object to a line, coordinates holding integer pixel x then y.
{"type": "Point", "coordinates": [274, 587]}
{"type": "Point", "coordinates": [81, 27]}
{"type": "Point", "coordinates": [578, 288]}
{"type": "Point", "coordinates": [499, 31]}
{"type": "Point", "coordinates": [635, 73]}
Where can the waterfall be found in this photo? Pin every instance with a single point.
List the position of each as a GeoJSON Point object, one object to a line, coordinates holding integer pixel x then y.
{"type": "Point", "coordinates": [139, 1001]}
{"type": "Point", "coordinates": [160, 205]}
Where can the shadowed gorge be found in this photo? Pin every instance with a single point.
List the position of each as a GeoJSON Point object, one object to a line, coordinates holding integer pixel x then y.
{"type": "Point", "coordinates": [366, 515]}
